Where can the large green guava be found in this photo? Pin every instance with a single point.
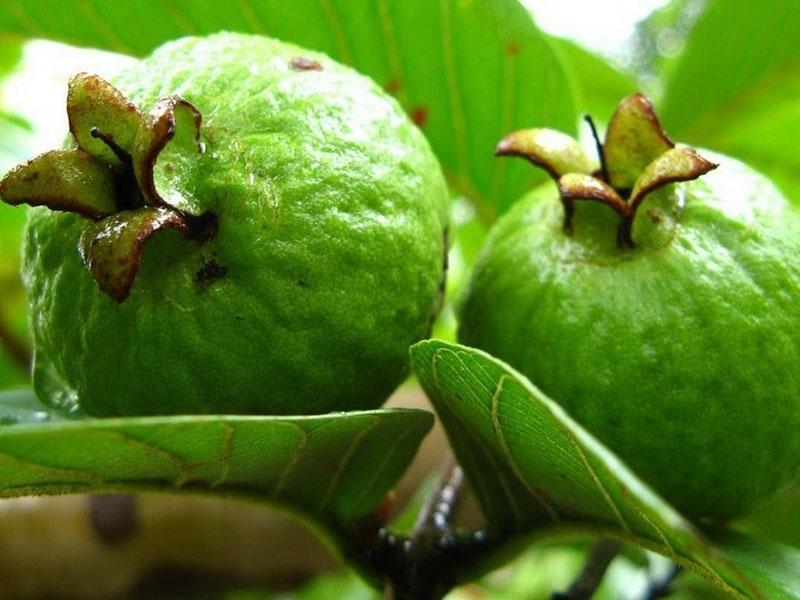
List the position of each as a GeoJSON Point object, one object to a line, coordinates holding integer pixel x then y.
{"type": "Point", "coordinates": [269, 238]}
{"type": "Point", "coordinates": [671, 332]}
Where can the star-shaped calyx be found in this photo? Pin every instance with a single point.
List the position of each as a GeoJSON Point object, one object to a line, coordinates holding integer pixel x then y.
{"type": "Point", "coordinates": [113, 176]}
{"type": "Point", "coordinates": [636, 158]}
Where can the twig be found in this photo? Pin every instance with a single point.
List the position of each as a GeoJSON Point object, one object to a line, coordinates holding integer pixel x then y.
{"type": "Point", "coordinates": [593, 571]}
{"type": "Point", "coordinates": [114, 517]}
{"type": "Point", "coordinates": [437, 514]}
{"type": "Point", "coordinates": [661, 588]}
{"type": "Point", "coordinates": [426, 564]}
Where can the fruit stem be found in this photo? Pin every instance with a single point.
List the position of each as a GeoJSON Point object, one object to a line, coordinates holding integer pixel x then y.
{"type": "Point", "coordinates": [625, 230]}
{"type": "Point", "coordinates": [123, 156]}
{"type": "Point", "coordinates": [599, 145]}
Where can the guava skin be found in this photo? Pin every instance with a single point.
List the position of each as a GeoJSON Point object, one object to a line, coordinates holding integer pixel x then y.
{"type": "Point", "coordinates": [679, 354]}
{"type": "Point", "coordinates": [326, 265]}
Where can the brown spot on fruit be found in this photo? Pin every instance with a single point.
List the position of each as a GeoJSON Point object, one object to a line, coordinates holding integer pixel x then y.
{"type": "Point", "coordinates": [419, 115]}
{"type": "Point", "coordinates": [512, 49]}
{"type": "Point", "coordinates": [299, 63]}
{"type": "Point", "coordinates": [210, 272]}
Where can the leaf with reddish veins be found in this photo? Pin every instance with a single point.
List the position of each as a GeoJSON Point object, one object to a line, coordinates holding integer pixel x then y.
{"type": "Point", "coordinates": [101, 119]}
{"type": "Point", "coordinates": [65, 180]}
{"type": "Point", "coordinates": [112, 248]}
{"type": "Point", "coordinates": [677, 164]}
{"type": "Point", "coordinates": [634, 139]}
{"type": "Point", "coordinates": [555, 152]}
{"type": "Point", "coordinates": [165, 151]}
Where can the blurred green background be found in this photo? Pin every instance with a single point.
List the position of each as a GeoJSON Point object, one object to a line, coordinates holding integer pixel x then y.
{"type": "Point", "coordinates": [724, 74]}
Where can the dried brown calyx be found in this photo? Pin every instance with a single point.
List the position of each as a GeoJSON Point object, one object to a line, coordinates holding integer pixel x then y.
{"type": "Point", "coordinates": [636, 158]}
{"type": "Point", "coordinates": [113, 177]}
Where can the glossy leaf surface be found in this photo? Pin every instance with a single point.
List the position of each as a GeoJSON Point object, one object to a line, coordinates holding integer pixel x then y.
{"type": "Point", "coordinates": [736, 87]}
{"type": "Point", "coordinates": [534, 469]}
{"type": "Point", "coordinates": [330, 468]}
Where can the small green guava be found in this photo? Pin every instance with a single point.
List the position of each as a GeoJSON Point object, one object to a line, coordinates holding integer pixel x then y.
{"type": "Point", "coordinates": [269, 238]}
{"type": "Point", "coordinates": [668, 326]}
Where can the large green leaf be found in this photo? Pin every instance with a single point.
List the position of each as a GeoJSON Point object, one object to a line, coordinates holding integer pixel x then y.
{"type": "Point", "coordinates": [736, 87]}
{"type": "Point", "coordinates": [468, 72]}
{"type": "Point", "coordinates": [534, 469]}
{"type": "Point", "coordinates": [14, 143]}
{"type": "Point", "coordinates": [331, 469]}
{"type": "Point", "coordinates": [599, 86]}
{"type": "Point", "coordinates": [14, 140]}
{"type": "Point", "coordinates": [10, 54]}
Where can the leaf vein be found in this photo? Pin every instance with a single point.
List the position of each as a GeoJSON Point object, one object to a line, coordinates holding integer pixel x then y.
{"type": "Point", "coordinates": [379, 471]}
{"type": "Point", "coordinates": [393, 55]}
{"type": "Point", "coordinates": [359, 438]}
{"type": "Point", "coordinates": [225, 456]}
{"type": "Point", "coordinates": [478, 442]}
{"type": "Point", "coordinates": [339, 37]}
{"type": "Point", "coordinates": [287, 470]}
{"type": "Point", "coordinates": [251, 16]}
{"type": "Point", "coordinates": [498, 430]}
{"type": "Point", "coordinates": [454, 92]}
{"type": "Point", "coordinates": [603, 491]}
{"type": "Point", "coordinates": [101, 26]}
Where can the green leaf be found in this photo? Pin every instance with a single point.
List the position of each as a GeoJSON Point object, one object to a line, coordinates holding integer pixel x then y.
{"type": "Point", "coordinates": [468, 72]}
{"type": "Point", "coordinates": [598, 85]}
{"type": "Point", "coordinates": [771, 567]}
{"type": "Point", "coordinates": [21, 406]}
{"type": "Point", "coordinates": [750, 106]}
{"type": "Point", "coordinates": [777, 520]}
{"type": "Point", "coordinates": [14, 131]}
{"type": "Point", "coordinates": [535, 470]}
{"type": "Point", "coordinates": [15, 134]}
{"type": "Point", "coordinates": [331, 469]}
{"type": "Point", "coordinates": [10, 53]}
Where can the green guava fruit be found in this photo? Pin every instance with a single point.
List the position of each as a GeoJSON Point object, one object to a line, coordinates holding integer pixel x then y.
{"type": "Point", "coordinates": [662, 317]}
{"type": "Point", "coordinates": [268, 239]}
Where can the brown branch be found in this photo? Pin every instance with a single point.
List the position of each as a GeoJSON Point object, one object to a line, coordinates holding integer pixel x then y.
{"type": "Point", "coordinates": [590, 578]}
{"type": "Point", "coordinates": [436, 515]}
{"type": "Point", "coordinates": [662, 588]}
{"type": "Point", "coordinates": [427, 563]}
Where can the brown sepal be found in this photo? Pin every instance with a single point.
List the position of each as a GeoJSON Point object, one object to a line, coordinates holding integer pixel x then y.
{"type": "Point", "coordinates": [112, 248]}
{"type": "Point", "coordinates": [555, 152]}
{"type": "Point", "coordinates": [102, 121]}
{"type": "Point", "coordinates": [634, 139]}
{"type": "Point", "coordinates": [676, 164]}
{"type": "Point", "coordinates": [63, 180]}
{"type": "Point", "coordinates": [165, 120]}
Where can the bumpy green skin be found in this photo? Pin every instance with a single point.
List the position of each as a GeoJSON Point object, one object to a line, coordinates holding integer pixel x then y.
{"type": "Point", "coordinates": [682, 354]}
{"type": "Point", "coordinates": [332, 212]}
